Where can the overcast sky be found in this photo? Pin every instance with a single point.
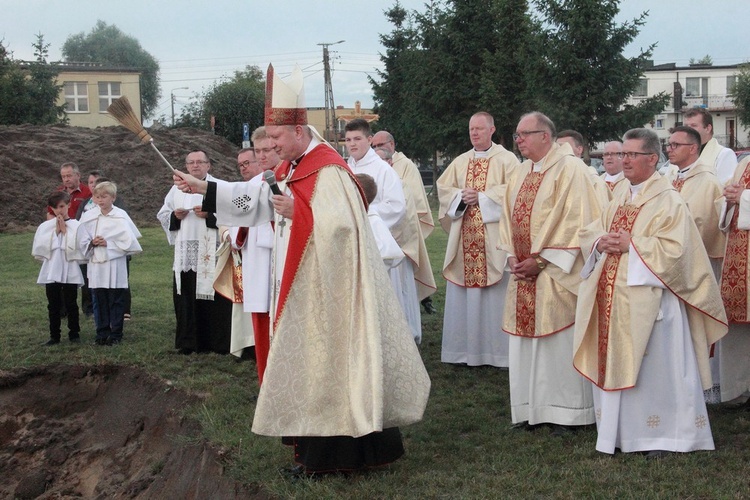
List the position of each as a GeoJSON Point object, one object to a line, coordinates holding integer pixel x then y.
{"type": "Point", "coordinates": [197, 42]}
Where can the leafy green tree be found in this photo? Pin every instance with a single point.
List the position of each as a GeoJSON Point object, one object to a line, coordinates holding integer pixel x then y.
{"type": "Point", "coordinates": [463, 56]}
{"type": "Point", "coordinates": [107, 44]}
{"type": "Point", "coordinates": [29, 91]}
{"type": "Point", "coordinates": [741, 93]}
{"type": "Point", "coordinates": [398, 94]}
{"type": "Point", "coordinates": [706, 60]}
{"type": "Point", "coordinates": [231, 103]}
{"type": "Point", "coordinates": [442, 66]}
{"type": "Point", "coordinates": [587, 80]}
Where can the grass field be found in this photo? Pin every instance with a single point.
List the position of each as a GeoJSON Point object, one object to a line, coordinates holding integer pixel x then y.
{"type": "Point", "coordinates": [463, 448]}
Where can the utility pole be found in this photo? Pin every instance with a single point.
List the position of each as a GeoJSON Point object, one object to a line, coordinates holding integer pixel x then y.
{"type": "Point", "coordinates": [330, 132]}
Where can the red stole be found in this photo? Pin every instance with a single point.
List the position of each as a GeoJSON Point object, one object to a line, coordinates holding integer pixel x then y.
{"type": "Point", "coordinates": [302, 185]}
{"type": "Point", "coordinates": [521, 234]}
{"type": "Point", "coordinates": [734, 271]}
{"type": "Point", "coordinates": [624, 219]}
{"type": "Point", "coordinates": [472, 228]}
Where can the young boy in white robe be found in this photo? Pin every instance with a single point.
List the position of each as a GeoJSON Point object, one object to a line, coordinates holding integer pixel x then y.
{"type": "Point", "coordinates": [389, 250]}
{"type": "Point", "coordinates": [55, 245]}
{"type": "Point", "coordinates": [107, 236]}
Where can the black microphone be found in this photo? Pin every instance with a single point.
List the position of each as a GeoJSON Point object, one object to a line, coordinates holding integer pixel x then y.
{"type": "Point", "coordinates": [270, 179]}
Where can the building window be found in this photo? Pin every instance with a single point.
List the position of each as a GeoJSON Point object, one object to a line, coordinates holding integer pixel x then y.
{"type": "Point", "coordinates": [108, 91]}
{"type": "Point", "coordinates": [731, 82]}
{"type": "Point", "coordinates": [659, 123]}
{"type": "Point", "coordinates": [642, 89]}
{"type": "Point", "coordinates": [76, 97]}
{"type": "Point", "coordinates": [693, 87]}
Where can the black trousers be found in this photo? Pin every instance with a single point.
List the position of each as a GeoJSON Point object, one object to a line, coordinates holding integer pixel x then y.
{"type": "Point", "coordinates": [202, 325]}
{"type": "Point", "coordinates": [345, 453]}
{"type": "Point", "coordinates": [67, 295]}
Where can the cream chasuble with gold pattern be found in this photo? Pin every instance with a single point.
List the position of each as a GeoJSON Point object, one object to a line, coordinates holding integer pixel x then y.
{"type": "Point", "coordinates": [472, 258]}
{"type": "Point", "coordinates": [545, 210]}
{"type": "Point", "coordinates": [342, 359]}
{"type": "Point", "coordinates": [613, 320]}
{"type": "Point", "coordinates": [700, 188]}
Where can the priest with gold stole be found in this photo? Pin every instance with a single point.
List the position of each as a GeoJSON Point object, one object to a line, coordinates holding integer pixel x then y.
{"type": "Point", "coordinates": [648, 312]}
{"type": "Point", "coordinates": [343, 370]}
{"type": "Point", "coordinates": [471, 192]}
{"type": "Point", "coordinates": [549, 200]}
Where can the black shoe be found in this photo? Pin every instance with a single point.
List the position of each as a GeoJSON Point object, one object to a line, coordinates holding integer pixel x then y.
{"type": "Point", "coordinates": [100, 342]}
{"type": "Point", "coordinates": [428, 307]}
{"type": "Point", "coordinates": [52, 342]}
{"type": "Point", "coordinates": [523, 426]}
{"type": "Point", "coordinates": [75, 340]}
{"type": "Point", "coordinates": [185, 351]}
{"type": "Point", "coordinates": [657, 454]}
{"type": "Point", "coordinates": [562, 430]}
{"type": "Point", "coordinates": [294, 472]}
{"type": "Point", "coordinates": [111, 341]}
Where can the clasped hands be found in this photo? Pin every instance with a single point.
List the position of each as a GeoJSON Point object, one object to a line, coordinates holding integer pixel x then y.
{"type": "Point", "coordinates": [614, 242]}
{"type": "Point", "coordinates": [525, 270]}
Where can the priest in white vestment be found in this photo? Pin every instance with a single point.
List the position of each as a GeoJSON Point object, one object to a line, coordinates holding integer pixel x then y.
{"type": "Point", "coordinates": [648, 312]}
{"type": "Point", "coordinates": [472, 191]}
{"type": "Point", "coordinates": [549, 200]}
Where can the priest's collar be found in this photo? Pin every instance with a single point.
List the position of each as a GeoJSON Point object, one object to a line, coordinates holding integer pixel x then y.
{"type": "Point", "coordinates": [484, 153]}
{"type": "Point", "coordinates": [683, 172]}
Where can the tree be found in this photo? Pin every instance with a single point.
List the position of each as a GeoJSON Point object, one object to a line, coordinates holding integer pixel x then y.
{"type": "Point", "coordinates": [464, 56]}
{"type": "Point", "coordinates": [107, 44]}
{"type": "Point", "coordinates": [706, 60]}
{"type": "Point", "coordinates": [29, 91]}
{"type": "Point", "coordinates": [457, 58]}
{"type": "Point", "coordinates": [589, 80]}
{"type": "Point", "coordinates": [232, 103]}
{"type": "Point", "coordinates": [741, 93]}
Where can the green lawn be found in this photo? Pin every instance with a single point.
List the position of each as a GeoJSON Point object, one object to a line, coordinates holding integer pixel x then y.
{"type": "Point", "coordinates": [463, 448]}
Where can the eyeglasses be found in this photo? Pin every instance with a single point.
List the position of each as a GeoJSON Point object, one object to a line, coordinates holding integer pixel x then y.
{"type": "Point", "coordinates": [380, 145]}
{"type": "Point", "coordinates": [196, 162]}
{"type": "Point", "coordinates": [612, 155]}
{"type": "Point", "coordinates": [246, 163]}
{"type": "Point", "coordinates": [632, 155]}
{"type": "Point", "coordinates": [675, 145]}
{"type": "Point", "coordinates": [264, 151]}
{"type": "Point", "coordinates": [525, 134]}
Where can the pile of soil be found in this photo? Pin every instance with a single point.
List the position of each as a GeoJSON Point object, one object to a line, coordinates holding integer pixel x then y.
{"type": "Point", "coordinates": [30, 158]}
{"type": "Point", "coordinates": [103, 432]}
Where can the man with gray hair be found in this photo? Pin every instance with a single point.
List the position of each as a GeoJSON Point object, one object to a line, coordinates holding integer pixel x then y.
{"type": "Point", "coordinates": [648, 310]}
{"type": "Point", "coordinates": [385, 146]}
{"type": "Point", "coordinates": [550, 200]}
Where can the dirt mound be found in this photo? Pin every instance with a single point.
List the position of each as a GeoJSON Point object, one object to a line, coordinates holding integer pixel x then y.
{"type": "Point", "coordinates": [102, 432]}
{"type": "Point", "coordinates": [30, 158]}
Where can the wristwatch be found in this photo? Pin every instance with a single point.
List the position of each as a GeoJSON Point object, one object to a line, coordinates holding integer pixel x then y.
{"type": "Point", "coordinates": [540, 262]}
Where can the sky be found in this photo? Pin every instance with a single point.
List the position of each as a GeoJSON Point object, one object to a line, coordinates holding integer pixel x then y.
{"type": "Point", "coordinates": [198, 43]}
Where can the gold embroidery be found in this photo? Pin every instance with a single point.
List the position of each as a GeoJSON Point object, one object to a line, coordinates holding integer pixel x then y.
{"type": "Point", "coordinates": [472, 228]}
{"type": "Point", "coordinates": [521, 234]}
{"type": "Point", "coordinates": [237, 281]}
{"type": "Point", "coordinates": [624, 218]}
{"type": "Point", "coordinates": [678, 183]}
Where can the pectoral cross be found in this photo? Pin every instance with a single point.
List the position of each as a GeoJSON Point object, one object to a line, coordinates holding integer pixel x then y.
{"type": "Point", "coordinates": [282, 223]}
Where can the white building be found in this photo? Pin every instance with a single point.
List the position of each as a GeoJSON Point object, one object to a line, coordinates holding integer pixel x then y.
{"type": "Point", "coordinates": [694, 86]}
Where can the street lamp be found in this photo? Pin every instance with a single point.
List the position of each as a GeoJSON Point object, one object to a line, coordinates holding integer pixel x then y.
{"type": "Point", "coordinates": [172, 95]}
